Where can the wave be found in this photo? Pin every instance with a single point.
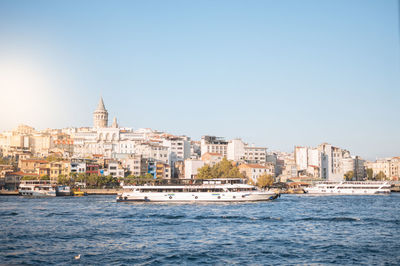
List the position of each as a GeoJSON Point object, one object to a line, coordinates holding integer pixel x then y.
{"type": "Point", "coordinates": [235, 217]}
{"type": "Point", "coordinates": [332, 219]}
{"type": "Point", "coordinates": [58, 214]}
{"type": "Point", "coordinates": [9, 214]}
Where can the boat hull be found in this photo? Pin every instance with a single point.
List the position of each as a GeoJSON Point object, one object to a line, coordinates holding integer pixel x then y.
{"type": "Point", "coordinates": [30, 193]}
{"type": "Point", "coordinates": [63, 191]}
{"type": "Point", "coordinates": [347, 193]}
{"type": "Point", "coordinates": [197, 197]}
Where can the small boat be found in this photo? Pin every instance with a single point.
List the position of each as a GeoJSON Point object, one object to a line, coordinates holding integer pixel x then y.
{"type": "Point", "coordinates": [79, 193]}
{"type": "Point", "coordinates": [36, 188]}
{"type": "Point", "coordinates": [212, 190]}
{"type": "Point", "coordinates": [63, 191]}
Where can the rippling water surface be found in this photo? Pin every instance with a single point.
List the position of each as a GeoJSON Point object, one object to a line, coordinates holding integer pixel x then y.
{"type": "Point", "coordinates": [291, 230]}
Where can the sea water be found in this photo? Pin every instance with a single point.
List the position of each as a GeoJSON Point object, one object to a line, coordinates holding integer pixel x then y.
{"type": "Point", "coordinates": [294, 229]}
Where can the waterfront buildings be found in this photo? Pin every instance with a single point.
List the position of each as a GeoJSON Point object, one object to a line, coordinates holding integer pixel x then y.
{"type": "Point", "coordinates": [105, 149]}
{"type": "Point", "coordinates": [388, 168]}
{"type": "Point", "coordinates": [327, 162]}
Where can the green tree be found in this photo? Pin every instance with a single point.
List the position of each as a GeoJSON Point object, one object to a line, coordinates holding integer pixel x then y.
{"type": "Point", "coordinates": [370, 174]}
{"type": "Point", "coordinates": [235, 173]}
{"type": "Point", "coordinates": [44, 177]}
{"type": "Point", "coordinates": [53, 158]}
{"type": "Point", "coordinates": [29, 177]}
{"type": "Point", "coordinates": [349, 175]}
{"type": "Point", "coordinates": [81, 177]}
{"type": "Point", "coordinates": [204, 172]}
{"type": "Point", "coordinates": [130, 180]}
{"type": "Point", "coordinates": [380, 176]}
{"type": "Point", "coordinates": [148, 176]}
{"type": "Point", "coordinates": [223, 169]}
{"type": "Point", "coordinates": [63, 180]}
{"type": "Point", "coordinates": [112, 181]}
{"type": "Point", "coordinates": [265, 180]}
{"type": "Point", "coordinates": [92, 180]}
{"type": "Point", "coordinates": [4, 160]}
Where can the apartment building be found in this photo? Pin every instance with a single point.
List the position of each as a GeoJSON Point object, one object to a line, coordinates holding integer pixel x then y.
{"type": "Point", "coordinates": [214, 145]}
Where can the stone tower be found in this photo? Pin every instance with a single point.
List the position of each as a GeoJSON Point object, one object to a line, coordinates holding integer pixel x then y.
{"type": "Point", "coordinates": [115, 123]}
{"type": "Point", "coordinates": [100, 115]}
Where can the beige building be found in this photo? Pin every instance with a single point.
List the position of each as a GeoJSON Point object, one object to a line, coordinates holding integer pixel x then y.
{"type": "Point", "coordinates": [136, 165]}
{"type": "Point", "coordinates": [389, 166]}
{"type": "Point", "coordinates": [33, 166]}
{"type": "Point", "coordinates": [211, 158]}
{"type": "Point", "coordinates": [59, 168]}
{"type": "Point", "coordinates": [253, 171]}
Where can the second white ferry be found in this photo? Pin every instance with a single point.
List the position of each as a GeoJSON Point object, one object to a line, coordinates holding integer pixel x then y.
{"type": "Point", "coordinates": [349, 188]}
{"type": "Point", "coordinates": [36, 188]}
{"type": "Point", "coordinates": [213, 190]}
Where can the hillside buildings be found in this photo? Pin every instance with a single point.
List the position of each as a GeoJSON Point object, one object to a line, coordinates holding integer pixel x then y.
{"type": "Point", "coordinates": [239, 151]}
{"type": "Point", "coordinates": [105, 149]}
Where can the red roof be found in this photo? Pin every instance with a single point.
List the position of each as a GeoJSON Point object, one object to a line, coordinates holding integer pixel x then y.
{"type": "Point", "coordinates": [20, 173]}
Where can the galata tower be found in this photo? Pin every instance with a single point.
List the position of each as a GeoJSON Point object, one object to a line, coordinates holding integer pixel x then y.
{"type": "Point", "coordinates": [100, 115]}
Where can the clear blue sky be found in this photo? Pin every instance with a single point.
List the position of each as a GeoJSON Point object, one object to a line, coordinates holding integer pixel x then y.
{"type": "Point", "coordinates": [275, 73]}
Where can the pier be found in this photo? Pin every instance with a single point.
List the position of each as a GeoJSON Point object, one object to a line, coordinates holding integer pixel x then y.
{"type": "Point", "coordinates": [101, 191]}
{"type": "Point", "coordinates": [8, 192]}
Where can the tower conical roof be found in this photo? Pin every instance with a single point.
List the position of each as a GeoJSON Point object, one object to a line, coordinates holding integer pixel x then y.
{"type": "Point", "coordinates": [100, 106]}
{"type": "Point", "coordinates": [115, 124]}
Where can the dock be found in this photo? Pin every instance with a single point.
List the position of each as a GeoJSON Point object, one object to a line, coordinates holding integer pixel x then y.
{"type": "Point", "coordinates": [8, 193]}
{"type": "Point", "coordinates": [101, 191]}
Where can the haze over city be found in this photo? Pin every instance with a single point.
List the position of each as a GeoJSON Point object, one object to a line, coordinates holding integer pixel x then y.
{"type": "Point", "coordinates": [275, 73]}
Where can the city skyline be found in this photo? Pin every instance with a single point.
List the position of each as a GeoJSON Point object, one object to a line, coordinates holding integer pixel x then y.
{"type": "Point", "coordinates": [273, 74]}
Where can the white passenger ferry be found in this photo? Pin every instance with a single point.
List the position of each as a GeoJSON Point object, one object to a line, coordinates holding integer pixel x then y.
{"type": "Point", "coordinates": [36, 188]}
{"type": "Point", "coordinates": [349, 188]}
{"type": "Point", "coordinates": [213, 190]}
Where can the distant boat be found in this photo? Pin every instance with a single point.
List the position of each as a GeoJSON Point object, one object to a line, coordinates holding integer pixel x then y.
{"type": "Point", "coordinates": [36, 188]}
{"type": "Point", "coordinates": [78, 193]}
{"type": "Point", "coordinates": [349, 188]}
{"type": "Point", "coordinates": [212, 190]}
{"type": "Point", "coordinates": [63, 191]}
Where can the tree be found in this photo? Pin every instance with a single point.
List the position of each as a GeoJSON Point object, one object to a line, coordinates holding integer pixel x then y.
{"type": "Point", "coordinates": [349, 175]}
{"type": "Point", "coordinates": [204, 172]}
{"type": "Point", "coordinates": [4, 160]}
{"type": "Point", "coordinates": [370, 174]}
{"type": "Point", "coordinates": [112, 181]}
{"type": "Point", "coordinates": [131, 179]}
{"type": "Point", "coordinates": [235, 173]}
{"type": "Point", "coordinates": [223, 169]}
{"type": "Point", "coordinates": [63, 180]}
{"type": "Point", "coordinates": [81, 177]}
{"type": "Point", "coordinates": [265, 180]}
{"type": "Point", "coordinates": [53, 158]}
{"type": "Point", "coordinates": [44, 177]}
{"type": "Point", "coordinates": [148, 176]}
{"type": "Point", "coordinates": [29, 177]}
{"type": "Point", "coordinates": [380, 176]}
